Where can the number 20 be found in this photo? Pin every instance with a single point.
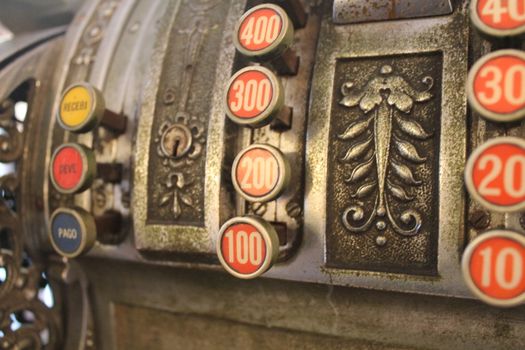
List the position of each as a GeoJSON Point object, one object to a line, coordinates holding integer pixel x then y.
{"type": "Point", "coordinates": [509, 169]}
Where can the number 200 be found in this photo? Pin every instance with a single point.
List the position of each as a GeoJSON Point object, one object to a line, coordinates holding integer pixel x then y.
{"type": "Point", "coordinates": [259, 173]}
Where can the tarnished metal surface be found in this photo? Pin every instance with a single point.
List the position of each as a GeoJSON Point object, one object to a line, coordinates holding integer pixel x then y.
{"type": "Point", "coordinates": [382, 163]}
{"type": "Point", "coordinates": [377, 146]}
{"type": "Point", "coordinates": [175, 187]}
{"type": "Point", "coordinates": [340, 48]}
{"type": "Point", "coordinates": [172, 234]}
{"type": "Point", "coordinates": [198, 304]}
{"type": "Point", "coordinates": [356, 11]}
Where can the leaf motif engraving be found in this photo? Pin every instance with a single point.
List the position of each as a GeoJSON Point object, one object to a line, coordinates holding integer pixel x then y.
{"type": "Point", "coordinates": [405, 174]}
{"type": "Point", "coordinates": [402, 101]}
{"type": "Point", "coordinates": [399, 192]}
{"type": "Point", "coordinates": [390, 148]}
{"type": "Point", "coordinates": [351, 98]}
{"type": "Point", "coordinates": [408, 151]}
{"type": "Point", "coordinates": [364, 190]}
{"type": "Point", "coordinates": [355, 129]}
{"type": "Point", "coordinates": [176, 209]}
{"type": "Point", "coordinates": [165, 199]}
{"type": "Point", "coordinates": [186, 199]}
{"type": "Point", "coordinates": [357, 150]}
{"type": "Point", "coordinates": [361, 171]}
{"type": "Point", "coordinates": [412, 128]}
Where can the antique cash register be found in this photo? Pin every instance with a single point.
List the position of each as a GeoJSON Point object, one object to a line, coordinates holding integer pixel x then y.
{"type": "Point", "coordinates": [289, 174]}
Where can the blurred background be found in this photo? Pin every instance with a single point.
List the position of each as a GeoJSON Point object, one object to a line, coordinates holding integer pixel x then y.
{"type": "Point", "coordinates": [25, 16]}
{"type": "Point", "coordinates": [24, 24]}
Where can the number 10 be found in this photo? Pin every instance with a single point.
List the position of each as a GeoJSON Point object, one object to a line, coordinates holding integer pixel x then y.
{"type": "Point", "coordinates": [516, 262]}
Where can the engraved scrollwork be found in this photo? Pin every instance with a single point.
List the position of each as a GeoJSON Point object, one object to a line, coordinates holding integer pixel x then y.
{"type": "Point", "coordinates": [25, 321]}
{"type": "Point", "coordinates": [387, 126]}
{"type": "Point", "coordinates": [37, 326]}
{"type": "Point", "coordinates": [11, 140]}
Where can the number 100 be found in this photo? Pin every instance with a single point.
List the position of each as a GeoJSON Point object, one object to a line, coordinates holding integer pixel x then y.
{"type": "Point", "coordinates": [244, 247]}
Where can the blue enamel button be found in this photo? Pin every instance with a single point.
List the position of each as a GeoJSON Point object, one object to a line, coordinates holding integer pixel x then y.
{"type": "Point", "coordinates": [72, 231]}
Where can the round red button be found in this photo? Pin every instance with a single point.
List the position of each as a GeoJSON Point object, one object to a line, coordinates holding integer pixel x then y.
{"type": "Point", "coordinates": [495, 174]}
{"type": "Point", "coordinates": [496, 86]}
{"type": "Point", "coordinates": [72, 168]}
{"type": "Point", "coordinates": [493, 266]}
{"type": "Point", "coordinates": [263, 31]}
{"type": "Point", "coordinates": [260, 173]}
{"type": "Point", "coordinates": [244, 248]}
{"type": "Point", "coordinates": [254, 96]}
{"type": "Point", "coordinates": [67, 168]}
{"type": "Point", "coordinates": [499, 17]}
{"type": "Point", "coordinates": [247, 246]}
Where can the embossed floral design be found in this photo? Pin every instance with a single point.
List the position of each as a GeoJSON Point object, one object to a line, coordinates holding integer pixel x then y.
{"type": "Point", "coordinates": [177, 183]}
{"type": "Point", "coordinates": [385, 99]}
{"type": "Point", "coordinates": [182, 165]}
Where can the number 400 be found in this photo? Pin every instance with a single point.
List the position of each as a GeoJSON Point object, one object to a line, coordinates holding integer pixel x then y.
{"type": "Point", "coordinates": [496, 9]}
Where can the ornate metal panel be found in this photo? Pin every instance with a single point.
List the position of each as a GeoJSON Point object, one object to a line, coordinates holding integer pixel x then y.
{"type": "Point", "coordinates": [383, 164]}
{"type": "Point", "coordinates": [26, 322]}
{"type": "Point", "coordinates": [386, 140]}
{"type": "Point", "coordinates": [356, 11]}
{"type": "Point", "coordinates": [174, 183]}
{"type": "Point", "coordinates": [186, 197]}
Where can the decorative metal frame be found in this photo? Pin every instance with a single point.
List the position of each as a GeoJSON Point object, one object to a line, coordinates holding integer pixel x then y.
{"type": "Point", "coordinates": [23, 271]}
{"type": "Point", "coordinates": [419, 36]}
{"type": "Point", "coordinates": [174, 237]}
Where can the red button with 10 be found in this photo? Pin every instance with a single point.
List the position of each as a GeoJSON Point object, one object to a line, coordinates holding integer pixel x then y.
{"type": "Point", "coordinates": [493, 266]}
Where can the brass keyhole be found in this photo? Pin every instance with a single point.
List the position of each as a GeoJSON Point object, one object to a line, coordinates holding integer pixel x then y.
{"type": "Point", "coordinates": [176, 141]}
{"type": "Point", "coordinates": [176, 148]}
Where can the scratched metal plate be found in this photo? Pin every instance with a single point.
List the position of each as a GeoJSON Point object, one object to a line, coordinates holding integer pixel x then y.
{"type": "Point", "coordinates": [356, 11]}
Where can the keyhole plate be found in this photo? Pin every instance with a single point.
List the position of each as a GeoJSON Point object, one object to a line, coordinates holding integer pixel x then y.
{"type": "Point", "coordinates": [176, 141]}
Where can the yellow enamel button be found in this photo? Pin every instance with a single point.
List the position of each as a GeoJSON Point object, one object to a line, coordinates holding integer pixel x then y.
{"type": "Point", "coordinates": [82, 108]}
